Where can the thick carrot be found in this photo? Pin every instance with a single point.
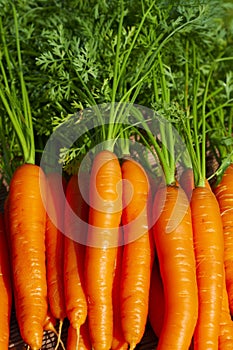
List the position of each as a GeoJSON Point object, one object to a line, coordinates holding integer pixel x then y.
{"type": "Point", "coordinates": [101, 251]}
{"type": "Point", "coordinates": [156, 300]}
{"type": "Point", "coordinates": [118, 342]}
{"type": "Point", "coordinates": [75, 299]}
{"type": "Point", "coordinates": [83, 339]}
{"type": "Point", "coordinates": [225, 337]}
{"type": "Point", "coordinates": [27, 218]}
{"type": "Point", "coordinates": [5, 288]}
{"type": "Point", "coordinates": [208, 247]}
{"type": "Point", "coordinates": [54, 240]}
{"type": "Point", "coordinates": [173, 237]}
{"type": "Point", "coordinates": [224, 195]}
{"type": "Point", "coordinates": [138, 251]}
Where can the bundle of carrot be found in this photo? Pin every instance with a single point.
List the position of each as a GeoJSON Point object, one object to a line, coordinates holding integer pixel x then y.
{"type": "Point", "coordinates": [110, 249]}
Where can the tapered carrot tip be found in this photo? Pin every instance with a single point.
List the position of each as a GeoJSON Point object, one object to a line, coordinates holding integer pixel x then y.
{"type": "Point", "coordinates": [132, 346]}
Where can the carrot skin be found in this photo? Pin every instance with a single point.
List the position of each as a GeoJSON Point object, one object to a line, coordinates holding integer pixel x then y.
{"type": "Point", "coordinates": [54, 241]}
{"type": "Point", "coordinates": [5, 288]}
{"type": "Point", "coordinates": [27, 218]}
{"type": "Point", "coordinates": [224, 195]}
{"type": "Point", "coordinates": [208, 247]}
{"type": "Point", "coordinates": [75, 298]}
{"type": "Point", "coordinates": [138, 251]}
{"type": "Point", "coordinates": [101, 250]}
{"type": "Point", "coordinates": [173, 237]}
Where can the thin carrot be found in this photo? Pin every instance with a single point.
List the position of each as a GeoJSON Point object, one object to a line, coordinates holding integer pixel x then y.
{"type": "Point", "coordinates": [54, 241]}
{"type": "Point", "coordinates": [208, 247]}
{"type": "Point", "coordinates": [27, 217]}
{"type": "Point", "coordinates": [118, 341]}
{"type": "Point", "coordinates": [174, 243]}
{"type": "Point", "coordinates": [101, 251]}
{"type": "Point", "coordinates": [224, 195]}
{"type": "Point", "coordinates": [156, 300]}
{"type": "Point", "coordinates": [84, 342]}
{"type": "Point", "coordinates": [5, 288]}
{"type": "Point", "coordinates": [138, 251]}
{"type": "Point", "coordinates": [75, 299]}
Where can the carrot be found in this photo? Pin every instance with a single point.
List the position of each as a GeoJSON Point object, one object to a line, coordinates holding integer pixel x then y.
{"type": "Point", "coordinates": [138, 252]}
{"type": "Point", "coordinates": [54, 241]}
{"type": "Point", "coordinates": [118, 342]}
{"type": "Point", "coordinates": [84, 342]}
{"type": "Point", "coordinates": [101, 251]}
{"type": "Point", "coordinates": [174, 244]}
{"type": "Point", "coordinates": [208, 247]}
{"type": "Point", "coordinates": [27, 217]}
{"type": "Point", "coordinates": [225, 337]}
{"type": "Point", "coordinates": [224, 195]}
{"type": "Point", "coordinates": [75, 299]}
{"type": "Point", "coordinates": [156, 300]}
{"type": "Point", "coordinates": [5, 288]}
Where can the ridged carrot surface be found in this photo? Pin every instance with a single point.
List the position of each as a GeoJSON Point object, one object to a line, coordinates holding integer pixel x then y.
{"type": "Point", "coordinates": [27, 217]}
{"type": "Point", "coordinates": [137, 253]}
{"type": "Point", "coordinates": [101, 251]}
{"type": "Point", "coordinates": [174, 243]}
{"type": "Point", "coordinates": [208, 247]}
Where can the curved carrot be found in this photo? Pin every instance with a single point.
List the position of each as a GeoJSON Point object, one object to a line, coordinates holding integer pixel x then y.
{"type": "Point", "coordinates": [208, 247]}
{"type": "Point", "coordinates": [156, 300]}
{"type": "Point", "coordinates": [225, 337]}
{"type": "Point", "coordinates": [84, 342]}
{"type": "Point", "coordinates": [75, 299]}
{"type": "Point", "coordinates": [118, 341]}
{"type": "Point", "coordinates": [27, 217]}
{"type": "Point", "coordinates": [224, 195]}
{"type": "Point", "coordinates": [174, 243]}
{"type": "Point", "coordinates": [5, 288]}
{"type": "Point", "coordinates": [103, 235]}
{"type": "Point", "coordinates": [138, 251]}
{"type": "Point", "coordinates": [54, 241]}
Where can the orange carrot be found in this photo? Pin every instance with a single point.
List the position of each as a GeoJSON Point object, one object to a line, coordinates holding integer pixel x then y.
{"type": "Point", "coordinates": [118, 342]}
{"type": "Point", "coordinates": [156, 300]}
{"type": "Point", "coordinates": [54, 241]}
{"type": "Point", "coordinates": [225, 337]}
{"type": "Point", "coordinates": [84, 342]}
{"type": "Point", "coordinates": [174, 244]}
{"type": "Point", "coordinates": [224, 195]}
{"type": "Point", "coordinates": [75, 299]}
{"type": "Point", "coordinates": [208, 247]}
{"type": "Point", "coordinates": [138, 251]}
{"type": "Point", "coordinates": [5, 288]}
{"type": "Point", "coordinates": [27, 217]}
{"type": "Point", "coordinates": [101, 251]}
